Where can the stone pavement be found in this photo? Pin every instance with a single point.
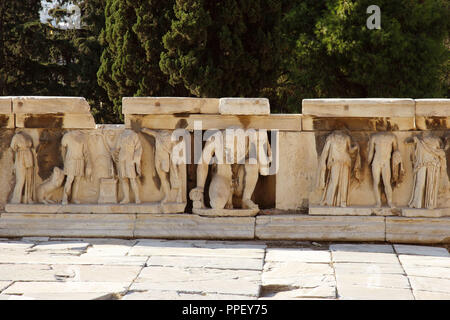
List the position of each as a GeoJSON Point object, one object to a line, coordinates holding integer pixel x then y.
{"type": "Point", "coordinates": [43, 268]}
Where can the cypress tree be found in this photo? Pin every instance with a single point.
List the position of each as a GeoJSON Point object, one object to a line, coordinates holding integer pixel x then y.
{"type": "Point", "coordinates": [224, 48]}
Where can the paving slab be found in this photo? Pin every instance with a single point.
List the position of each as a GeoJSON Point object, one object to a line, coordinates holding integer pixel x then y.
{"type": "Point", "coordinates": [375, 280]}
{"type": "Point", "coordinates": [299, 255]}
{"type": "Point", "coordinates": [322, 292]}
{"type": "Point", "coordinates": [421, 250]}
{"type": "Point", "coordinates": [96, 273]}
{"type": "Point", "coordinates": [194, 249]}
{"type": "Point", "coordinates": [413, 260]}
{"type": "Point", "coordinates": [206, 262]}
{"type": "Point", "coordinates": [369, 268]}
{"type": "Point", "coordinates": [376, 248]}
{"type": "Point", "coordinates": [355, 292]}
{"type": "Point", "coordinates": [364, 257]}
{"type": "Point", "coordinates": [4, 284]}
{"type": "Point", "coordinates": [173, 295]}
{"type": "Point", "coordinates": [427, 271]}
{"type": "Point", "coordinates": [65, 287]}
{"type": "Point", "coordinates": [427, 295]}
{"type": "Point", "coordinates": [14, 245]}
{"type": "Point", "coordinates": [69, 259]}
{"type": "Point", "coordinates": [243, 282]}
{"type": "Point", "coordinates": [430, 284]}
{"type": "Point", "coordinates": [61, 296]}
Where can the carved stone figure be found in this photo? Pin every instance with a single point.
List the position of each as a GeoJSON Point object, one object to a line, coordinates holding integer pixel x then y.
{"type": "Point", "coordinates": [429, 168]}
{"type": "Point", "coordinates": [127, 154]}
{"type": "Point", "coordinates": [228, 179]}
{"type": "Point", "coordinates": [335, 168]}
{"type": "Point", "coordinates": [386, 163]}
{"type": "Point", "coordinates": [76, 162]}
{"type": "Point", "coordinates": [24, 167]}
{"type": "Point", "coordinates": [167, 170]}
{"type": "Point", "coordinates": [45, 190]}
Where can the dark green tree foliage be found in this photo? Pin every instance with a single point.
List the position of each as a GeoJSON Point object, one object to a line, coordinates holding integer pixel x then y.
{"type": "Point", "coordinates": [223, 48]}
{"type": "Point", "coordinates": [133, 43]}
{"type": "Point", "coordinates": [336, 55]}
{"type": "Point", "coordinates": [24, 50]}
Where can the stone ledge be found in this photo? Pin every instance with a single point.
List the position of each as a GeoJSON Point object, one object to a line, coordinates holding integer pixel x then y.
{"type": "Point", "coordinates": [320, 228]}
{"type": "Point", "coordinates": [371, 107]}
{"type": "Point", "coordinates": [169, 105]}
{"type": "Point", "coordinates": [45, 105]}
{"type": "Point", "coordinates": [190, 226]}
{"type": "Point", "coordinates": [353, 211]}
{"type": "Point", "coordinates": [244, 106]}
{"type": "Point", "coordinates": [418, 230]}
{"type": "Point", "coordinates": [151, 208]}
{"type": "Point", "coordinates": [55, 121]}
{"type": "Point", "coordinates": [282, 122]}
{"type": "Point", "coordinates": [67, 225]}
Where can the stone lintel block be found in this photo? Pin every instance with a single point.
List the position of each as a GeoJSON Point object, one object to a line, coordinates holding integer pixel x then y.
{"type": "Point", "coordinates": [190, 226]}
{"type": "Point", "coordinates": [418, 230]}
{"type": "Point", "coordinates": [150, 208]}
{"type": "Point", "coordinates": [320, 228]}
{"type": "Point", "coordinates": [55, 121]}
{"type": "Point", "coordinates": [282, 122]}
{"type": "Point", "coordinates": [67, 225]}
{"type": "Point", "coordinates": [321, 123]}
{"type": "Point", "coordinates": [5, 105]}
{"type": "Point", "coordinates": [385, 108]}
{"type": "Point", "coordinates": [44, 105]}
{"type": "Point", "coordinates": [169, 105]}
{"type": "Point", "coordinates": [244, 106]}
{"type": "Point", "coordinates": [433, 107]}
{"type": "Point", "coordinates": [433, 114]}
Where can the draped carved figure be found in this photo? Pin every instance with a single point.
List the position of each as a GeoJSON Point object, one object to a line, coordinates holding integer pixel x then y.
{"type": "Point", "coordinates": [386, 163]}
{"type": "Point", "coordinates": [166, 168]}
{"type": "Point", "coordinates": [430, 168]}
{"type": "Point", "coordinates": [76, 163]}
{"type": "Point", "coordinates": [128, 154]}
{"type": "Point", "coordinates": [24, 168]}
{"type": "Point", "coordinates": [336, 165]}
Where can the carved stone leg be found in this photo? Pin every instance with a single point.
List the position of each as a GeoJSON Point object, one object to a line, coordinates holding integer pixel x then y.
{"type": "Point", "coordinates": [376, 172]}
{"type": "Point", "coordinates": [126, 190]}
{"type": "Point", "coordinates": [67, 189]}
{"type": "Point", "coordinates": [251, 178]}
{"type": "Point", "coordinates": [18, 189]}
{"type": "Point", "coordinates": [135, 188]}
{"type": "Point", "coordinates": [331, 189]}
{"type": "Point", "coordinates": [386, 173]}
{"type": "Point", "coordinates": [76, 188]}
{"type": "Point", "coordinates": [419, 188]}
{"type": "Point", "coordinates": [165, 185]}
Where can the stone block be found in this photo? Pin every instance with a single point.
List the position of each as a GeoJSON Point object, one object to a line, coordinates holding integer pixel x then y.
{"type": "Point", "coordinates": [358, 114]}
{"type": "Point", "coordinates": [67, 225]}
{"type": "Point", "coordinates": [50, 105]}
{"type": "Point", "coordinates": [418, 230]}
{"type": "Point", "coordinates": [282, 122]}
{"type": "Point", "coordinates": [432, 114]}
{"type": "Point", "coordinates": [169, 105]}
{"type": "Point", "coordinates": [55, 121]}
{"type": "Point", "coordinates": [244, 106]}
{"type": "Point", "coordinates": [320, 228]}
{"type": "Point", "coordinates": [350, 108]}
{"type": "Point", "coordinates": [295, 179]}
{"type": "Point", "coordinates": [211, 212]}
{"type": "Point", "coordinates": [6, 105]}
{"type": "Point", "coordinates": [189, 226]}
